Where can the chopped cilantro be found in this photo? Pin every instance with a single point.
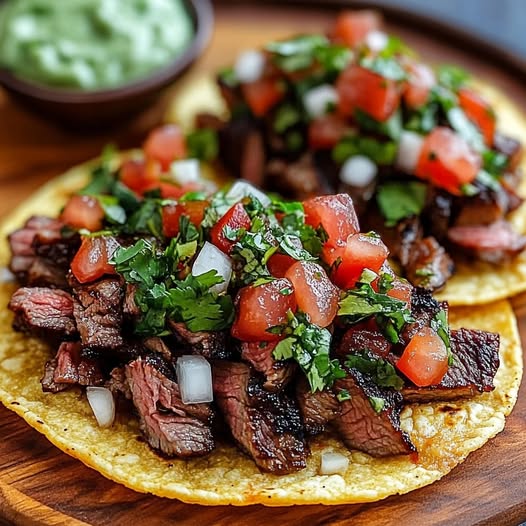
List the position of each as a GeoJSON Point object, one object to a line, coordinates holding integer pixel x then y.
{"type": "Point", "coordinates": [343, 395]}
{"type": "Point", "coordinates": [387, 67]}
{"type": "Point", "coordinates": [452, 77]}
{"type": "Point", "coordinates": [228, 77]}
{"type": "Point", "coordinates": [362, 302]}
{"type": "Point", "coordinates": [377, 403]}
{"type": "Point", "coordinates": [309, 345]}
{"type": "Point", "coordinates": [423, 119]}
{"type": "Point", "coordinates": [465, 128]}
{"type": "Point", "coordinates": [392, 127]}
{"type": "Point", "coordinates": [382, 153]}
{"type": "Point", "coordinates": [102, 178]}
{"type": "Point", "coordinates": [113, 212]}
{"type": "Point", "coordinates": [487, 179]}
{"type": "Point", "coordinates": [286, 116]}
{"type": "Point", "coordinates": [441, 326]}
{"type": "Point", "coordinates": [380, 370]}
{"type": "Point", "coordinates": [202, 144]}
{"type": "Point", "coordinates": [398, 200]}
{"type": "Point", "coordinates": [495, 162]}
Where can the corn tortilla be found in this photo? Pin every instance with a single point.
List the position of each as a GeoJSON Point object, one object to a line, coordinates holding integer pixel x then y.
{"type": "Point", "coordinates": [444, 437]}
{"type": "Point", "coordinates": [472, 283]}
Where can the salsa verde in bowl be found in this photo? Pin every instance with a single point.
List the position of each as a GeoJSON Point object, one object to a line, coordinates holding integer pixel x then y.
{"type": "Point", "coordinates": [91, 62]}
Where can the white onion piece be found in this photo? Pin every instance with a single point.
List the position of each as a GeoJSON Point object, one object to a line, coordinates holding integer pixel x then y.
{"type": "Point", "coordinates": [6, 276]}
{"type": "Point", "coordinates": [211, 258]}
{"type": "Point", "coordinates": [333, 463]}
{"type": "Point", "coordinates": [194, 376]}
{"type": "Point", "coordinates": [376, 41]}
{"type": "Point", "coordinates": [241, 189]}
{"type": "Point", "coordinates": [317, 100]}
{"type": "Point", "coordinates": [358, 170]}
{"type": "Point", "coordinates": [249, 66]}
{"type": "Point", "coordinates": [102, 404]}
{"type": "Point", "coordinates": [185, 171]}
{"type": "Point", "coordinates": [409, 149]}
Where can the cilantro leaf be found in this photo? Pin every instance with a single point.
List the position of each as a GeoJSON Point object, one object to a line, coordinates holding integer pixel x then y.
{"type": "Point", "coordinates": [377, 403]}
{"type": "Point", "coordinates": [383, 153]}
{"type": "Point", "coordinates": [113, 212]}
{"type": "Point", "coordinates": [452, 77]}
{"type": "Point", "coordinates": [102, 177]}
{"type": "Point", "coordinates": [387, 67]}
{"type": "Point", "coordinates": [392, 127]}
{"type": "Point", "coordinates": [440, 325]}
{"type": "Point", "coordinates": [309, 345]}
{"type": "Point", "coordinates": [398, 200]}
{"type": "Point", "coordinates": [203, 144]}
{"type": "Point", "coordinates": [380, 370]}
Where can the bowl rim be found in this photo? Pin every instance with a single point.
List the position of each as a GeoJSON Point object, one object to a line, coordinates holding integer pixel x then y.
{"type": "Point", "coordinates": [202, 15]}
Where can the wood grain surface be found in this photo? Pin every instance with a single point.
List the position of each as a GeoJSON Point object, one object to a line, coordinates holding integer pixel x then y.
{"type": "Point", "coordinates": [40, 485]}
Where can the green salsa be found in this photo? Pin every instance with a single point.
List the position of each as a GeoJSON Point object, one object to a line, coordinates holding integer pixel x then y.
{"type": "Point", "coordinates": [91, 44]}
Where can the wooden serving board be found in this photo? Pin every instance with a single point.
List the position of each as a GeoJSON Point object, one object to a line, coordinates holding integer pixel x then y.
{"type": "Point", "coordinates": [41, 485]}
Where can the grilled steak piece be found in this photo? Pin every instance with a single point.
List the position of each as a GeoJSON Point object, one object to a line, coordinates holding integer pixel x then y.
{"type": "Point", "coordinates": [358, 338]}
{"type": "Point", "coordinates": [157, 345]}
{"type": "Point", "coordinates": [129, 307]}
{"type": "Point", "coordinates": [495, 243]}
{"type": "Point", "coordinates": [266, 425]}
{"type": "Point", "coordinates": [47, 382]}
{"type": "Point", "coordinates": [98, 313]}
{"type": "Point", "coordinates": [211, 344]}
{"type": "Point", "coordinates": [277, 372]}
{"type": "Point", "coordinates": [437, 213]}
{"type": "Point", "coordinates": [509, 147]}
{"type": "Point", "coordinates": [473, 370]}
{"type": "Point", "coordinates": [118, 384]}
{"type": "Point", "coordinates": [174, 428]}
{"type": "Point", "coordinates": [317, 409]}
{"type": "Point", "coordinates": [72, 368]}
{"type": "Point", "coordinates": [376, 432]}
{"type": "Point", "coordinates": [429, 265]}
{"type": "Point", "coordinates": [484, 208]}
{"type": "Point", "coordinates": [43, 312]}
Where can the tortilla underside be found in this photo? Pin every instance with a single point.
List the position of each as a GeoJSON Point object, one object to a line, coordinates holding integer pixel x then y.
{"type": "Point", "coordinates": [473, 283]}
{"type": "Point", "coordinates": [443, 433]}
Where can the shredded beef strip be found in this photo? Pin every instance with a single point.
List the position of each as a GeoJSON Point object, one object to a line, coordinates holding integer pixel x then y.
{"type": "Point", "coordinates": [266, 425]}
{"type": "Point", "coordinates": [277, 373]}
{"type": "Point", "coordinates": [476, 360]}
{"type": "Point", "coordinates": [98, 313]}
{"type": "Point", "coordinates": [211, 344]}
{"type": "Point", "coordinates": [317, 408]}
{"type": "Point", "coordinates": [174, 428]}
{"type": "Point", "coordinates": [43, 312]}
{"type": "Point", "coordinates": [495, 243]}
{"type": "Point", "coordinates": [361, 427]}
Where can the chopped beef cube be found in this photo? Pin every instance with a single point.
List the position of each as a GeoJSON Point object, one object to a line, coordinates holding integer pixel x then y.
{"type": "Point", "coordinates": [72, 368]}
{"type": "Point", "coordinates": [476, 360]}
{"type": "Point", "coordinates": [266, 425]}
{"type": "Point", "coordinates": [47, 381]}
{"type": "Point", "coordinates": [211, 344]}
{"type": "Point", "coordinates": [429, 265]}
{"type": "Point", "coordinates": [43, 272]}
{"type": "Point", "coordinates": [358, 338]}
{"type": "Point", "coordinates": [484, 208]}
{"type": "Point", "coordinates": [43, 312]}
{"type": "Point", "coordinates": [277, 372]}
{"type": "Point", "coordinates": [495, 243]}
{"type": "Point", "coordinates": [118, 383]}
{"type": "Point", "coordinates": [157, 345]}
{"type": "Point", "coordinates": [129, 307]}
{"type": "Point", "coordinates": [98, 313]}
{"type": "Point", "coordinates": [317, 408]}
{"type": "Point", "coordinates": [174, 428]}
{"type": "Point", "coordinates": [510, 147]}
{"type": "Point", "coordinates": [375, 431]}
{"type": "Point", "coordinates": [437, 213]}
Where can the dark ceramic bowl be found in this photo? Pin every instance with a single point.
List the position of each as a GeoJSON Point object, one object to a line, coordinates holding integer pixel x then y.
{"type": "Point", "coordinates": [93, 109]}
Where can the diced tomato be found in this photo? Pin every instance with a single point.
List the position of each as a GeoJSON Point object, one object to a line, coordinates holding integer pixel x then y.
{"type": "Point", "coordinates": [174, 191]}
{"type": "Point", "coordinates": [362, 89]}
{"type": "Point", "coordinates": [194, 210]}
{"type": "Point", "coordinates": [421, 80]}
{"type": "Point", "coordinates": [92, 259]}
{"type": "Point", "coordinates": [278, 264]}
{"type": "Point", "coordinates": [262, 95]}
{"type": "Point", "coordinates": [479, 111]}
{"type": "Point", "coordinates": [325, 132]}
{"type": "Point", "coordinates": [447, 161]}
{"type": "Point", "coordinates": [261, 308]}
{"type": "Point", "coordinates": [140, 175]}
{"type": "Point", "coordinates": [335, 213]}
{"type": "Point", "coordinates": [315, 293]}
{"type": "Point", "coordinates": [352, 26]}
{"type": "Point", "coordinates": [361, 252]}
{"type": "Point", "coordinates": [401, 290]}
{"type": "Point", "coordinates": [83, 211]}
{"type": "Point", "coordinates": [165, 144]}
{"type": "Point", "coordinates": [424, 360]}
{"type": "Point", "coordinates": [235, 218]}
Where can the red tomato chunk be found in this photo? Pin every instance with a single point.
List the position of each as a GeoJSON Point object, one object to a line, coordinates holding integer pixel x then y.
{"type": "Point", "coordinates": [235, 218]}
{"type": "Point", "coordinates": [262, 95]}
{"type": "Point", "coordinates": [421, 80]}
{"type": "Point", "coordinates": [139, 175]}
{"type": "Point", "coordinates": [91, 261]}
{"type": "Point", "coordinates": [447, 161]}
{"type": "Point", "coordinates": [194, 210]}
{"type": "Point", "coordinates": [479, 111]}
{"type": "Point", "coordinates": [362, 89]}
{"type": "Point", "coordinates": [278, 264]}
{"type": "Point", "coordinates": [352, 27]}
{"type": "Point", "coordinates": [325, 132]}
{"type": "Point", "coordinates": [424, 360]}
{"type": "Point", "coordinates": [263, 307]}
{"type": "Point", "coordinates": [165, 144]}
{"type": "Point", "coordinates": [83, 211]}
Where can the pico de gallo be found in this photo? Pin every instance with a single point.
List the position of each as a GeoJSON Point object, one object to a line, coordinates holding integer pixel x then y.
{"type": "Point", "coordinates": [357, 111]}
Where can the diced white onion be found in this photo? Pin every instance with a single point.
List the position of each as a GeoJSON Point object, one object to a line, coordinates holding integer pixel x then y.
{"type": "Point", "coordinates": [249, 66]}
{"type": "Point", "coordinates": [317, 100]}
{"type": "Point", "coordinates": [376, 41]}
{"type": "Point", "coordinates": [333, 463]}
{"type": "Point", "coordinates": [6, 276]}
{"type": "Point", "coordinates": [358, 170]}
{"type": "Point", "coordinates": [185, 171]}
{"type": "Point", "coordinates": [194, 376]}
{"type": "Point", "coordinates": [102, 404]}
{"type": "Point", "coordinates": [211, 258]}
{"type": "Point", "coordinates": [241, 189]}
{"type": "Point", "coordinates": [409, 150]}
